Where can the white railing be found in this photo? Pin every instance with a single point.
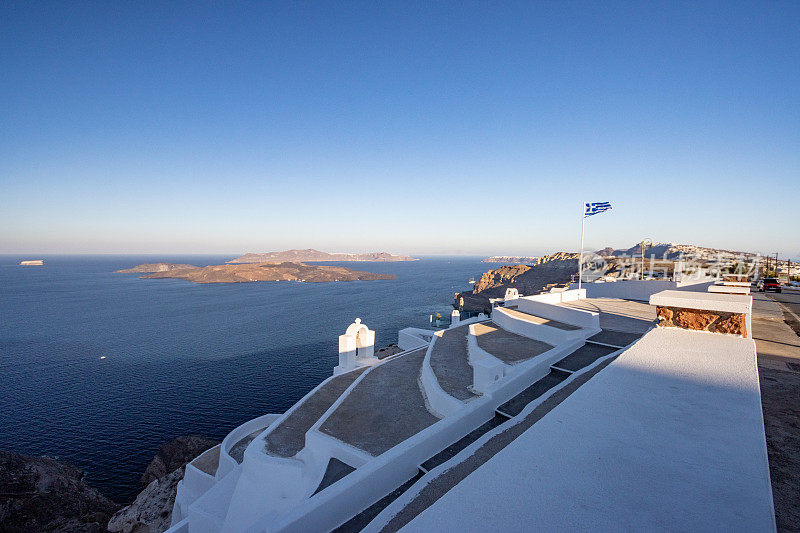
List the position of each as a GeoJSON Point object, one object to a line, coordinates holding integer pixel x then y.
{"type": "Point", "coordinates": [226, 461]}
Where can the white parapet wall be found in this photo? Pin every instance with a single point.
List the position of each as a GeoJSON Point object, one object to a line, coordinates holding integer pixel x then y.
{"type": "Point", "coordinates": [552, 311]}
{"type": "Point", "coordinates": [194, 484]}
{"type": "Point", "coordinates": [641, 290]}
{"type": "Point", "coordinates": [413, 338]}
{"type": "Point", "coordinates": [726, 289]}
{"type": "Point", "coordinates": [547, 306]}
{"type": "Point", "coordinates": [438, 400]}
{"type": "Point", "coordinates": [381, 475]}
{"type": "Point", "coordinates": [228, 463]}
{"type": "Point", "coordinates": [533, 330]}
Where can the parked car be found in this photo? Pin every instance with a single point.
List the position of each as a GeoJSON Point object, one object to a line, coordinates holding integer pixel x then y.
{"type": "Point", "coordinates": [771, 284]}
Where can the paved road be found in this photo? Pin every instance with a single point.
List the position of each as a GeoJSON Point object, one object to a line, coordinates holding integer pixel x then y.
{"type": "Point", "coordinates": [791, 299]}
{"type": "Point", "coordinates": [778, 349]}
{"type": "Point", "coordinates": [776, 342]}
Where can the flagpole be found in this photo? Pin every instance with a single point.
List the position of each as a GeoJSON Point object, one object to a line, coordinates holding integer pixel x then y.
{"type": "Point", "coordinates": [580, 261]}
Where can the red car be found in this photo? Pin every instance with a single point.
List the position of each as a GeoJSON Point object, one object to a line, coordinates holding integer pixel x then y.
{"type": "Point", "coordinates": [771, 284]}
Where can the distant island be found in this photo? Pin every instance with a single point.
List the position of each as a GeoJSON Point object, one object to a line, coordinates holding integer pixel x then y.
{"type": "Point", "coordinates": [315, 255]}
{"type": "Point", "coordinates": [32, 262]}
{"type": "Point", "coordinates": [243, 273]}
{"type": "Point", "coordinates": [512, 260]}
{"type": "Point", "coordinates": [155, 267]}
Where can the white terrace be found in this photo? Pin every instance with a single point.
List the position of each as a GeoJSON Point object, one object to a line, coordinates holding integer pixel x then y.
{"type": "Point", "coordinates": [355, 450]}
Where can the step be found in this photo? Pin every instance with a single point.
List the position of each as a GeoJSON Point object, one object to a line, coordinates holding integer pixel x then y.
{"type": "Point", "coordinates": [515, 405]}
{"type": "Point", "coordinates": [584, 356]}
{"type": "Point", "coordinates": [360, 521]}
{"type": "Point", "coordinates": [611, 337]}
{"type": "Point", "coordinates": [452, 450]}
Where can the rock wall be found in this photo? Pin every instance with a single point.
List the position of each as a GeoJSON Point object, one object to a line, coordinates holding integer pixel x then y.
{"type": "Point", "coordinates": [42, 494]}
{"type": "Point", "coordinates": [544, 273]}
{"type": "Point", "coordinates": [151, 512]}
{"type": "Point", "coordinates": [702, 320]}
{"type": "Point", "coordinates": [175, 454]}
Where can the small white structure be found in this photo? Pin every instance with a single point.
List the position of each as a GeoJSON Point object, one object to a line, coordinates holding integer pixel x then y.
{"type": "Point", "coordinates": [511, 294]}
{"type": "Point", "coordinates": [356, 348]}
{"type": "Point", "coordinates": [455, 317]}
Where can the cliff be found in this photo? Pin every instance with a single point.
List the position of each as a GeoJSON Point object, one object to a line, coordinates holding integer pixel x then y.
{"type": "Point", "coordinates": [174, 455]}
{"type": "Point", "coordinates": [42, 494]}
{"type": "Point", "coordinates": [151, 511]}
{"type": "Point", "coordinates": [315, 255]}
{"type": "Point", "coordinates": [543, 273]}
{"type": "Point", "coordinates": [268, 272]}
{"type": "Point", "coordinates": [547, 270]}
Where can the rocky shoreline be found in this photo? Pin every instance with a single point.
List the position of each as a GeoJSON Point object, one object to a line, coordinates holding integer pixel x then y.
{"type": "Point", "coordinates": [39, 493]}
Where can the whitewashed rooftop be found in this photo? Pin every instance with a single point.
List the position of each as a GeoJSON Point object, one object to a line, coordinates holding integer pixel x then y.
{"type": "Point", "coordinates": [669, 436]}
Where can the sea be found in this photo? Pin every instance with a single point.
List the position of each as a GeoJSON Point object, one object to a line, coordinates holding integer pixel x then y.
{"type": "Point", "coordinates": [99, 369]}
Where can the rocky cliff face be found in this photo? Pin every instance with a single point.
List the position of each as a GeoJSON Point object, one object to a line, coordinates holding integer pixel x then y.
{"type": "Point", "coordinates": [174, 455]}
{"type": "Point", "coordinates": [42, 494]}
{"type": "Point", "coordinates": [548, 270]}
{"type": "Point", "coordinates": [543, 273]}
{"type": "Point", "coordinates": [151, 512]}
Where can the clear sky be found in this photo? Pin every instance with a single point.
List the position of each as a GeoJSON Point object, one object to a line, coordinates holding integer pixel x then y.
{"type": "Point", "coordinates": [457, 128]}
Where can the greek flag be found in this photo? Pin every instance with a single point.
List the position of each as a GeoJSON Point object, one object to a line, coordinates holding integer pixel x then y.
{"type": "Point", "coordinates": [596, 207]}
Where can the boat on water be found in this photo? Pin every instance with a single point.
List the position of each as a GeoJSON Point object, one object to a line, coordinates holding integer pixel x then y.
{"type": "Point", "coordinates": [472, 280]}
{"type": "Point", "coordinates": [32, 262]}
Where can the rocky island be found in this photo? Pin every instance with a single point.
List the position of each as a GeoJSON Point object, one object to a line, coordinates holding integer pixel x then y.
{"type": "Point", "coordinates": [247, 272]}
{"type": "Point", "coordinates": [509, 259]}
{"type": "Point", "coordinates": [154, 267]}
{"type": "Point", "coordinates": [315, 255]}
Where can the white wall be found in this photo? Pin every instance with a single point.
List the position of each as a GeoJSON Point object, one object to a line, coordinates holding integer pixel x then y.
{"type": "Point", "coordinates": [412, 338]}
{"type": "Point", "coordinates": [548, 334]}
{"type": "Point", "coordinates": [438, 400]}
{"type": "Point", "coordinates": [576, 317]}
{"type": "Point", "coordinates": [639, 289]}
{"type": "Point", "coordinates": [377, 478]}
{"type": "Point", "coordinates": [228, 463]}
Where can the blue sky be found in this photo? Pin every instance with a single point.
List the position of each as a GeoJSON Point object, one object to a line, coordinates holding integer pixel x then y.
{"type": "Point", "coordinates": [457, 128]}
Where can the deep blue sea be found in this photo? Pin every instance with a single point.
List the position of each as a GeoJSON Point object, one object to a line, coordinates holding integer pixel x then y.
{"type": "Point", "coordinates": [180, 357]}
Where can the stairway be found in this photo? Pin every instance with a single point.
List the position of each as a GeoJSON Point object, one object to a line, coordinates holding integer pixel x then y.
{"type": "Point", "coordinates": [559, 372]}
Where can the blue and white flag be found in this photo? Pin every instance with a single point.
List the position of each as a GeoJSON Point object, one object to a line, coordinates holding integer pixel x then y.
{"type": "Point", "coordinates": [596, 207]}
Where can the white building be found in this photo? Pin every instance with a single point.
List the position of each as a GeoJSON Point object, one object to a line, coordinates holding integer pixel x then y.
{"type": "Point", "coordinates": [667, 433]}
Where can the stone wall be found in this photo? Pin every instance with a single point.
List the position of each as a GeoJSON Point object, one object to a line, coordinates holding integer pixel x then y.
{"type": "Point", "coordinates": [702, 320]}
